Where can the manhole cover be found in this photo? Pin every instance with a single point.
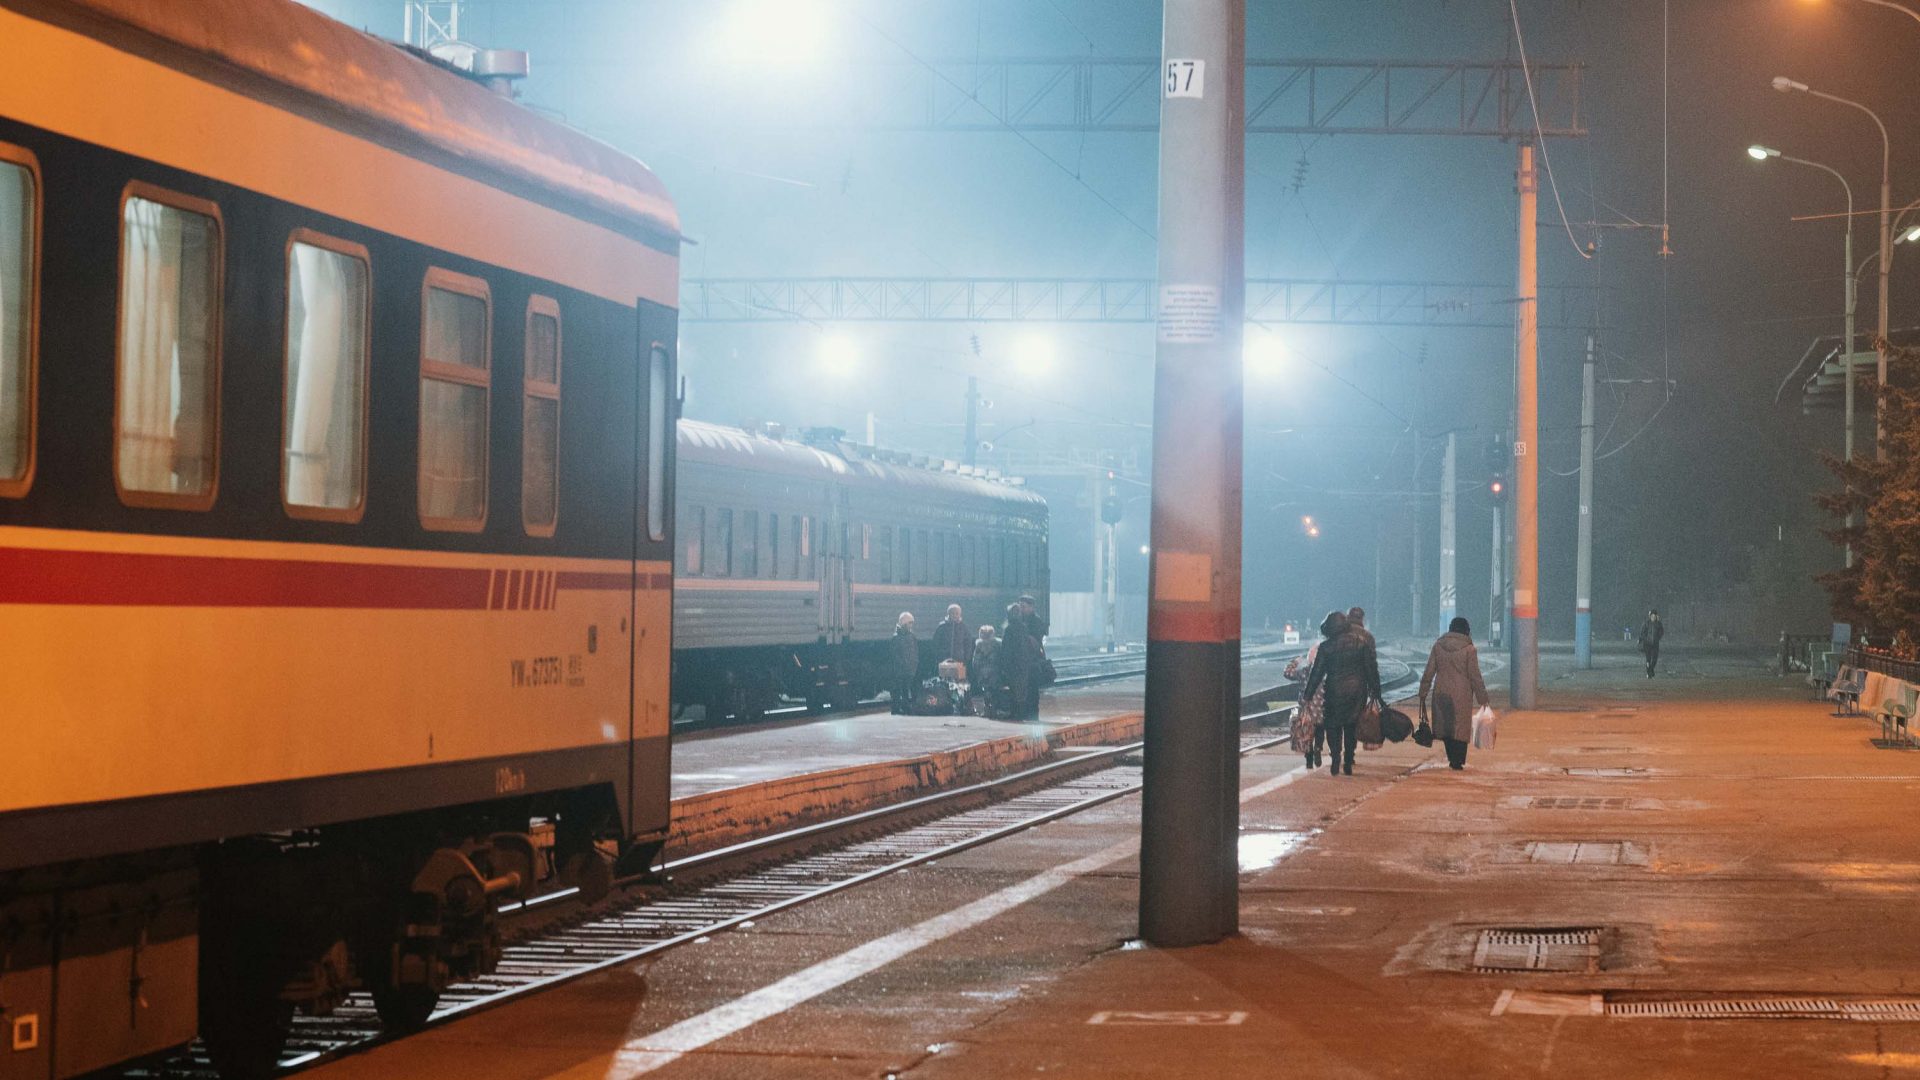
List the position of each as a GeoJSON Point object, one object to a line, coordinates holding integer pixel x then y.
{"type": "Point", "coordinates": [1551, 949]}
{"type": "Point", "coordinates": [1607, 770]}
{"type": "Point", "coordinates": [1579, 802]}
{"type": "Point", "coordinates": [1882, 1010]}
{"type": "Point", "coordinates": [1583, 852]}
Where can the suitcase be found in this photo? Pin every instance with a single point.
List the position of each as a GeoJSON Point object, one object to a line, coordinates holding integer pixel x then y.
{"type": "Point", "coordinates": [953, 671]}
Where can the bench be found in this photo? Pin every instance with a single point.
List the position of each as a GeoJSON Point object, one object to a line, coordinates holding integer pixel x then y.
{"type": "Point", "coordinates": [1895, 713]}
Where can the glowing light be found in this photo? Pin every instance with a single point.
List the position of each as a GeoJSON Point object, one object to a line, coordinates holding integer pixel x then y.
{"type": "Point", "coordinates": [776, 33]}
{"type": "Point", "coordinates": [1911, 234]}
{"type": "Point", "coordinates": [1145, 548]}
{"type": "Point", "coordinates": [839, 356]}
{"type": "Point", "coordinates": [1784, 84]}
{"type": "Point", "coordinates": [1761, 153]}
{"type": "Point", "coordinates": [1313, 530]}
{"type": "Point", "coordinates": [1033, 355]}
{"type": "Point", "coordinates": [1262, 353]}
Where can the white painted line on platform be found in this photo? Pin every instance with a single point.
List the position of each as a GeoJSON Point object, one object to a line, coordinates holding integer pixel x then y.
{"type": "Point", "coordinates": [646, 1053]}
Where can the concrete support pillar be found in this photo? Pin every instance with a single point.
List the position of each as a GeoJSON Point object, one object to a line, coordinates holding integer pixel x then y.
{"type": "Point", "coordinates": [1583, 566]}
{"type": "Point", "coordinates": [1190, 813]}
{"type": "Point", "coordinates": [1524, 684]}
{"type": "Point", "coordinates": [1448, 590]}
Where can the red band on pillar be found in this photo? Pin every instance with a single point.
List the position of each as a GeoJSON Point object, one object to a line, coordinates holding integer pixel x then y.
{"type": "Point", "coordinates": [1200, 626]}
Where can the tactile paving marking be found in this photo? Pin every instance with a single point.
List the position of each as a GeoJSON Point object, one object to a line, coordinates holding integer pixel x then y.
{"type": "Point", "coordinates": [1886, 1010]}
{"type": "Point", "coordinates": [1583, 852]}
{"type": "Point", "coordinates": [1579, 802]}
{"type": "Point", "coordinates": [1563, 949]}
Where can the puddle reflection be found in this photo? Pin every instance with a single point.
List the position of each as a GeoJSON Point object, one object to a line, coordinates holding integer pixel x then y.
{"type": "Point", "coordinates": [1260, 850]}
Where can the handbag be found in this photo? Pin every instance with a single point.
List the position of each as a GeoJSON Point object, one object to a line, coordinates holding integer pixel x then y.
{"type": "Point", "coordinates": [1304, 729]}
{"type": "Point", "coordinates": [1395, 725]}
{"type": "Point", "coordinates": [1486, 728]}
{"type": "Point", "coordinates": [1367, 727]}
{"type": "Point", "coordinates": [1423, 735]}
{"type": "Point", "coordinates": [1048, 676]}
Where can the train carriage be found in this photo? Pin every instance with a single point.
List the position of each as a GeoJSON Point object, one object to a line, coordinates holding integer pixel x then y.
{"type": "Point", "coordinates": [796, 557]}
{"type": "Point", "coordinates": [336, 400]}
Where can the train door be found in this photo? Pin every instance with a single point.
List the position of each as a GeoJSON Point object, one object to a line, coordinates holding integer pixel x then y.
{"type": "Point", "coordinates": [836, 574]}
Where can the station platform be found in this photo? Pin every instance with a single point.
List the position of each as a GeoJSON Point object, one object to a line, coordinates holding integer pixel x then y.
{"type": "Point", "coordinates": [1702, 843]}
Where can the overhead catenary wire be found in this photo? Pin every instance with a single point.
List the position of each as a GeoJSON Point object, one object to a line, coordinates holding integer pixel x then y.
{"type": "Point", "coordinates": [1539, 131]}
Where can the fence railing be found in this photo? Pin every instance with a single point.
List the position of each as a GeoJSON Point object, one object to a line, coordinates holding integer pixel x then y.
{"type": "Point", "coordinates": [1884, 663]}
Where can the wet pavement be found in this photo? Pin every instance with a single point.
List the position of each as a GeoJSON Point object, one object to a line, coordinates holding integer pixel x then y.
{"type": "Point", "coordinates": [1706, 837]}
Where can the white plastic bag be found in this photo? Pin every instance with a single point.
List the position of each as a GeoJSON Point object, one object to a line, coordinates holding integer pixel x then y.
{"type": "Point", "coordinates": [1486, 728]}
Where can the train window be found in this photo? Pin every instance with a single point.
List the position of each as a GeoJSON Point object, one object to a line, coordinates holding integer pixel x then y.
{"type": "Point", "coordinates": [323, 425]}
{"type": "Point", "coordinates": [749, 543]}
{"type": "Point", "coordinates": [809, 543]}
{"type": "Point", "coordinates": [953, 561]}
{"type": "Point", "coordinates": [659, 439]}
{"type": "Point", "coordinates": [866, 541]}
{"type": "Point", "coordinates": [455, 382]}
{"type": "Point", "coordinates": [939, 571]}
{"type": "Point", "coordinates": [167, 404]}
{"type": "Point", "coordinates": [540, 420]}
{"type": "Point", "coordinates": [696, 534]}
{"type": "Point", "coordinates": [797, 533]}
{"type": "Point", "coordinates": [885, 557]}
{"type": "Point", "coordinates": [723, 543]}
{"type": "Point", "coordinates": [967, 566]}
{"type": "Point", "coordinates": [923, 575]}
{"type": "Point", "coordinates": [19, 312]}
{"type": "Point", "coordinates": [773, 545]}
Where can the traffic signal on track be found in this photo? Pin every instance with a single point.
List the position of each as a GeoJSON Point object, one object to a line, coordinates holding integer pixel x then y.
{"type": "Point", "coordinates": [1497, 488]}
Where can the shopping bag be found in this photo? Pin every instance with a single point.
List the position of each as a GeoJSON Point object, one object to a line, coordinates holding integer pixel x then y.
{"type": "Point", "coordinates": [1367, 728]}
{"type": "Point", "coordinates": [1486, 728]}
{"type": "Point", "coordinates": [1395, 725]}
{"type": "Point", "coordinates": [1304, 727]}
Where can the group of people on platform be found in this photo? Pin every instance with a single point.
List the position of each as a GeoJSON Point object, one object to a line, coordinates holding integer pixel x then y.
{"type": "Point", "coordinates": [1002, 671]}
{"type": "Point", "coordinates": [1342, 693]}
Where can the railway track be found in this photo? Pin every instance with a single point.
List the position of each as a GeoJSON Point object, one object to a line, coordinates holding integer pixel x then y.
{"type": "Point", "coordinates": [734, 887]}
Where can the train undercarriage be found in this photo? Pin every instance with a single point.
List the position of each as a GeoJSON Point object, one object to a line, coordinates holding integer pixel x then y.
{"type": "Point", "coordinates": [744, 684]}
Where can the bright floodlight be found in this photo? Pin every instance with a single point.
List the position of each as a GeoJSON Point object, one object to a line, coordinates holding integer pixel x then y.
{"type": "Point", "coordinates": [1909, 234]}
{"type": "Point", "coordinates": [1033, 355]}
{"type": "Point", "coordinates": [1145, 549]}
{"type": "Point", "coordinates": [1784, 84]}
{"type": "Point", "coordinates": [778, 33]}
{"type": "Point", "coordinates": [1761, 153]}
{"type": "Point", "coordinates": [1262, 353]}
{"type": "Point", "coordinates": [838, 356]}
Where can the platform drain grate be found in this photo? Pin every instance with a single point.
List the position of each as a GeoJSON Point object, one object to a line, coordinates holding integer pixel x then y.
{"type": "Point", "coordinates": [1889, 1010]}
{"type": "Point", "coordinates": [1556, 949]}
{"type": "Point", "coordinates": [1579, 802]}
{"type": "Point", "coordinates": [1581, 852]}
{"type": "Point", "coordinates": [1607, 770]}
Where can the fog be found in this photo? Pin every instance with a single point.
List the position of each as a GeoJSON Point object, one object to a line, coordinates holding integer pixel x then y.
{"type": "Point", "coordinates": [763, 118]}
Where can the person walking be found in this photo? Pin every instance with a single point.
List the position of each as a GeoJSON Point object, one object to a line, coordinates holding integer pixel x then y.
{"type": "Point", "coordinates": [984, 676]}
{"type": "Point", "coordinates": [1651, 632]}
{"type": "Point", "coordinates": [905, 670]}
{"type": "Point", "coordinates": [1311, 710]}
{"type": "Point", "coordinates": [1017, 668]}
{"type": "Point", "coordinates": [1357, 619]}
{"type": "Point", "coordinates": [1350, 671]}
{"type": "Point", "coordinates": [1453, 681]}
{"type": "Point", "coordinates": [953, 640]}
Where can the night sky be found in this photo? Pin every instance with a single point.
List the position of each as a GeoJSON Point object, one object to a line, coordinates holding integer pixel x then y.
{"type": "Point", "coordinates": [1702, 492]}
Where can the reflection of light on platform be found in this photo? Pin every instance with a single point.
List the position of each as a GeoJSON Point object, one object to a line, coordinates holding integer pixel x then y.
{"type": "Point", "coordinates": [1890, 1060]}
{"type": "Point", "coordinates": [1260, 850]}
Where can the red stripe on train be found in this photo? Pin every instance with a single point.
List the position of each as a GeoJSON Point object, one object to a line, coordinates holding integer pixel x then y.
{"type": "Point", "coordinates": [124, 579]}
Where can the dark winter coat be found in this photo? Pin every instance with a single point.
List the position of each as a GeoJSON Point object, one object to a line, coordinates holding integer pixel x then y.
{"type": "Point", "coordinates": [1451, 686]}
{"type": "Point", "coordinates": [985, 668]}
{"type": "Point", "coordinates": [906, 655]}
{"type": "Point", "coordinates": [1651, 632]}
{"type": "Point", "coordinates": [954, 641]}
{"type": "Point", "coordinates": [1347, 665]}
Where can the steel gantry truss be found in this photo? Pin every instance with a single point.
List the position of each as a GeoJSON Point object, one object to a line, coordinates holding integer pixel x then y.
{"type": "Point", "coordinates": [1284, 97]}
{"type": "Point", "coordinates": [1113, 300]}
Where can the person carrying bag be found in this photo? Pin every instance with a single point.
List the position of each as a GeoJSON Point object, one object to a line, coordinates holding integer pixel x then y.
{"type": "Point", "coordinates": [1348, 669]}
{"type": "Point", "coordinates": [1453, 684]}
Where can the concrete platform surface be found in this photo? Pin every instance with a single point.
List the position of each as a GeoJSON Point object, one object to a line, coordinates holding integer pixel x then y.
{"type": "Point", "coordinates": [1720, 834]}
{"type": "Point", "coordinates": [733, 757]}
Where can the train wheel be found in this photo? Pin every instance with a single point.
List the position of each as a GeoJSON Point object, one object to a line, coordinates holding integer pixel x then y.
{"type": "Point", "coordinates": [403, 1008]}
{"type": "Point", "coordinates": [242, 1019]}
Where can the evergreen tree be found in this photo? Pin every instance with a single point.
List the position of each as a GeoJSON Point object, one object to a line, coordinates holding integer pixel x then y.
{"type": "Point", "coordinates": [1881, 590]}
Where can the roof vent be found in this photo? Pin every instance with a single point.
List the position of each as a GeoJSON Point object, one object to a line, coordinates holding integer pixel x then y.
{"type": "Point", "coordinates": [495, 69]}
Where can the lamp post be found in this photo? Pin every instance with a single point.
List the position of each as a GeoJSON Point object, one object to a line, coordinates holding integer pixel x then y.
{"type": "Point", "coordinates": [1785, 85]}
{"type": "Point", "coordinates": [1889, 4]}
{"type": "Point", "coordinates": [1762, 153]}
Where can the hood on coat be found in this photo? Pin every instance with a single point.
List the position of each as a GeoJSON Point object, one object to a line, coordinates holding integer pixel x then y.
{"type": "Point", "coordinates": [1452, 643]}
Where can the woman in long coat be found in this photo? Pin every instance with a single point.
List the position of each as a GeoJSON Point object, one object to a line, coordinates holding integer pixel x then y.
{"type": "Point", "coordinates": [1309, 735]}
{"type": "Point", "coordinates": [1453, 678]}
{"type": "Point", "coordinates": [904, 672]}
{"type": "Point", "coordinates": [1348, 668]}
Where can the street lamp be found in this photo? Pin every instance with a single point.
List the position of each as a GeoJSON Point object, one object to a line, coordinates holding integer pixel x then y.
{"type": "Point", "coordinates": [839, 356]}
{"type": "Point", "coordinates": [1763, 153]}
{"type": "Point", "coordinates": [1786, 85]}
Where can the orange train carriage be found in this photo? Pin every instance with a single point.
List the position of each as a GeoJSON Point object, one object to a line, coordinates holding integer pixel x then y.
{"type": "Point", "coordinates": [336, 437]}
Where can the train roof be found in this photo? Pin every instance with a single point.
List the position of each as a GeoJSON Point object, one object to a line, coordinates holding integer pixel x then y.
{"type": "Point", "coordinates": [721, 445]}
{"type": "Point", "coordinates": [405, 99]}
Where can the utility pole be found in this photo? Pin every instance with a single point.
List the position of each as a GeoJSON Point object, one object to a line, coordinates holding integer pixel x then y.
{"type": "Point", "coordinates": [1583, 565]}
{"type": "Point", "coordinates": [1497, 590]}
{"type": "Point", "coordinates": [973, 421]}
{"type": "Point", "coordinates": [1190, 813]}
{"type": "Point", "coordinates": [1419, 547]}
{"type": "Point", "coordinates": [1524, 680]}
{"type": "Point", "coordinates": [1112, 595]}
{"type": "Point", "coordinates": [1448, 591]}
